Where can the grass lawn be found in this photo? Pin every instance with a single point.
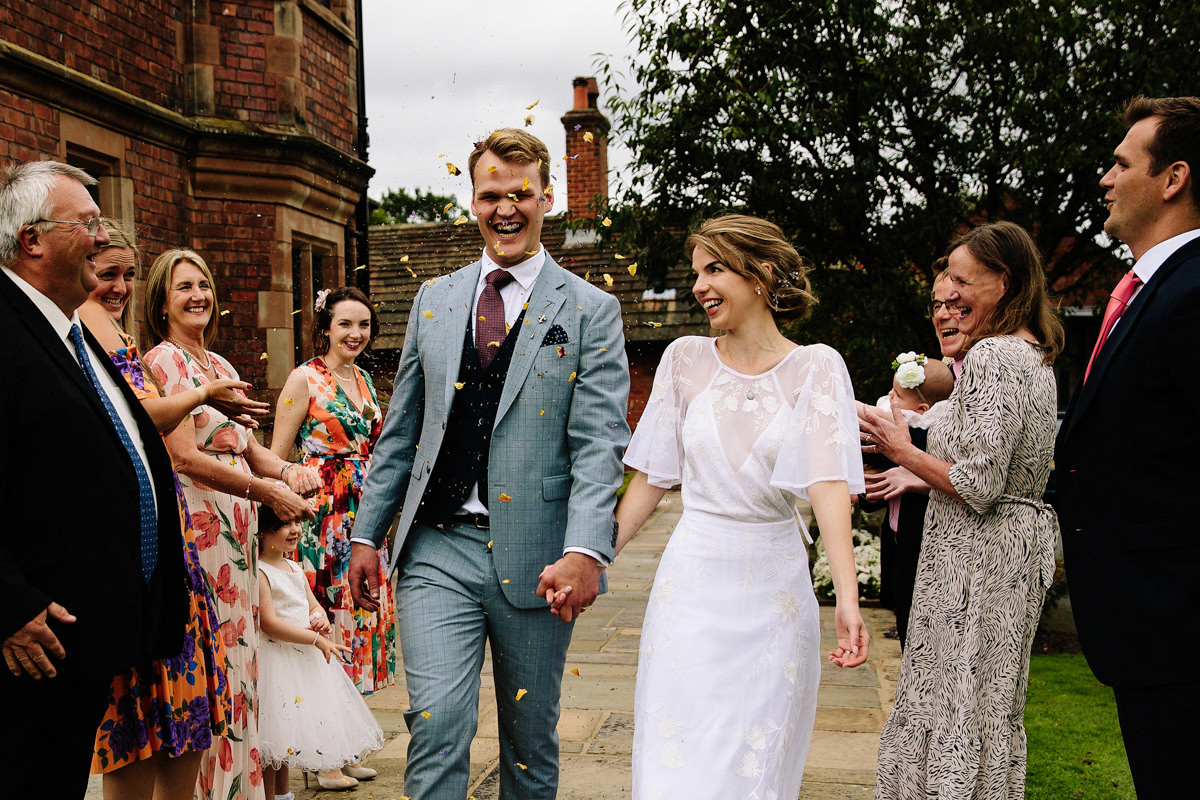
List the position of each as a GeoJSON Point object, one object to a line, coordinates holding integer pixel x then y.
{"type": "Point", "coordinates": [1075, 746]}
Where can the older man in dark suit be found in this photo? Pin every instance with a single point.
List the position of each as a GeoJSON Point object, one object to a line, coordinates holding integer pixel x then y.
{"type": "Point", "coordinates": [91, 561]}
{"type": "Point", "coordinates": [1128, 446]}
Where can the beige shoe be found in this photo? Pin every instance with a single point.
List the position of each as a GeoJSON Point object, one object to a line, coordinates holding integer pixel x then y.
{"type": "Point", "coordinates": [336, 784]}
{"type": "Point", "coordinates": [359, 771]}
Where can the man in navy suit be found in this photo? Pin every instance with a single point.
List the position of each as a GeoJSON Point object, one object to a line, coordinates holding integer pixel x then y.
{"type": "Point", "coordinates": [91, 555]}
{"type": "Point", "coordinates": [1127, 450]}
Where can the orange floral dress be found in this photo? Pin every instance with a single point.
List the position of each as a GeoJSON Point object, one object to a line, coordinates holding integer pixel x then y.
{"type": "Point", "coordinates": [336, 440]}
{"type": "Point", "coordinates": [226, 539]}
{"type": "Point", "coordinates": [184, 701]}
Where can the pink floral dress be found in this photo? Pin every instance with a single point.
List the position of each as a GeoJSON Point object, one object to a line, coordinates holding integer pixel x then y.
{"type": "Point", "coordinates": [226, 529]}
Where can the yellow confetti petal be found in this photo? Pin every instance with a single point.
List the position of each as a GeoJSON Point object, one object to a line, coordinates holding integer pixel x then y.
{"type": "Point", "coordinates": [287, 401]}
{"type": "Point", "coordinates": [462, 220]}
{"type": "Point", "coordinates": [426, 714]}
{"type": "Point", "coordinates": [542, 413]}
{"type": "Point", "coordinates": [459, 384]}
{"type": "Point", "coordinates": [588, 137]}
{"type": "Point", "coordinates": [263, 357]}
{"type": "Point", "coordinates": [448, 206]}
{"type": "Point", "coordinates": [428, 313]}
{"type": "Point", "coordinates": [521, 693]}
{"type": "Point", "coordinates": [226, 311]}
{"type": "Point", "coordinates": [633, 268]}
{"type": "Point", "coordinates": [492, 168]}
{"type": "Point", "coordinates": [294, 313]}
{"type": "Point", "coordinates": [534, 103]}
{"type": "Point", "coordinates": [587, 276]}
{"type": "Point", "coordinates": [575, 670]}
{"type": "Point", "coordinates": [504, 498]}
{"type": "Point", "coordinates": [654, 324]}
{"type": "Point", "coordinates": [360, 267]}
{"type": "Point", "coordinates": [525, 185]}
{"type": "Point", "coordinates": [490, 542]}
{"type": "Point", "coordinates": [410, 270]}
{"type": "Point", "coordinates": [299, 698]}
{"type": "Point", "coordinates": [453, 170]}
{"type": "Point", "coordinates": [571, 377]}
{"type": "Point", "coordinates": [619, 257]}
{"type": "Point", "coordinates": [506, 580]}
{"type": "Point", "coordinates": [603, 349]}
{"type": "Point", "coordinates": [608, 281]}
{"type": "Point", "coordinates": [606, 222]}
{"type": "Point", "coordinates": [529, 120]}
{"type": "Point", "coordinates": [403, 259]}
{"type": "Point", "coordinates": [522, 766]}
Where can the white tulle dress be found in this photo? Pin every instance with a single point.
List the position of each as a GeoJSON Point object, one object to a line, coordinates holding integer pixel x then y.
{"type": "Point", "coordinates": [730, 651]}
{"type": "Point", "coordinates": [310, 716]}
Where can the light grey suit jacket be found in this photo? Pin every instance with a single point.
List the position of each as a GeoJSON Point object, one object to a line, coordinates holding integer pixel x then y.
{"type": "Point", "coordinates": [559, 435]}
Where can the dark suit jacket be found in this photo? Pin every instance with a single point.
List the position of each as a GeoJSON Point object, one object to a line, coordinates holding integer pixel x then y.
{"type": "Point", "coordinates": [1125, 458]}
{"type": "Point", "coordinates": [69, 498]}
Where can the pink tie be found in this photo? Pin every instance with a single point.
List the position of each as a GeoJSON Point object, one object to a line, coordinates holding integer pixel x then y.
{"type": "Point", "coordinates": [489, 317]}
{"type": "Point", "coordinates": [1117, 304]}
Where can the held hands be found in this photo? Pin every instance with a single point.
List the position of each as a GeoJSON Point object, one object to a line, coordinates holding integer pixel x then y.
{"type": "Point", "coordinates": [570, 585]}
{"type": "Point", "coordinates": [228, 396]}
{"type": "Point", "coordinates": [288, 505]}
{"type": "Point", "coordinates": [318, 622]}
{"type": "Point", "coordinates": [853, 639]}
{"type": "Point", "coordinates": [364, 576]}
{"type": "Point", "coordinates": [29, 649]}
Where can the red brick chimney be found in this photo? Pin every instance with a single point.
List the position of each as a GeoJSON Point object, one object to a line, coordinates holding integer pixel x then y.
{"type": "Point", "coordinates": [587, 162]}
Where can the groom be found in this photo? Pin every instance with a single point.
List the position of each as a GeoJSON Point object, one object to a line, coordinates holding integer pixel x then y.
{"type": "Point", "coordinates": [502, 452]}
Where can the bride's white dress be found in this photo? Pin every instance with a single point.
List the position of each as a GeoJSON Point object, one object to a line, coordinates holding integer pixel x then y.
{"type": "Point", "coordinates": [729, 659]}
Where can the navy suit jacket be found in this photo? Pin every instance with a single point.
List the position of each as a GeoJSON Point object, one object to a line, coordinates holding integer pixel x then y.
{"type": "Point", "coordinates": [1125, 457]}
{"type": "Point", "coordinates": [70, 531]}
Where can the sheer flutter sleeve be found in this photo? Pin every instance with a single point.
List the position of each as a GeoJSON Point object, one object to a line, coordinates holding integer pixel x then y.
{"type": "Point", "coordinates": [821, 443]}
{"type": "Point", "coordinates": [657, 446]}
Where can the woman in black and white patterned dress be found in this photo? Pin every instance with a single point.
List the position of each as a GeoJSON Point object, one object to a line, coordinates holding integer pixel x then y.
{"type": "Point", "coordinates": [956, 730]}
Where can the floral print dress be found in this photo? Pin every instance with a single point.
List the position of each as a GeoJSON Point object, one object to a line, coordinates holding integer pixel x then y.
{"type": "Point", "coordinates": [184, 702]}
{"type": "Point", "coordinates": [336, 440]}
{"type": "Point", "coordinates": [226, 528]}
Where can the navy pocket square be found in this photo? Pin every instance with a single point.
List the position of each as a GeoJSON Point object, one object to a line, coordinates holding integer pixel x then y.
{"type": "Point", "coordinates": [556, 335]}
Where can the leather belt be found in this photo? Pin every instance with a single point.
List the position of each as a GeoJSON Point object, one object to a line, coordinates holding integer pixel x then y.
{"type": "Point", "coordinates": [480, 521]}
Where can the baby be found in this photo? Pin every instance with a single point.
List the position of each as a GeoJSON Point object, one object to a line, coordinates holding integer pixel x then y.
{"type": "Point", "coordinates": [919, 383]}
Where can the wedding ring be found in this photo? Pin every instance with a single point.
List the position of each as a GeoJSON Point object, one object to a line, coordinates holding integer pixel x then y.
{"type": "Point", "coordinates": [869, 440]}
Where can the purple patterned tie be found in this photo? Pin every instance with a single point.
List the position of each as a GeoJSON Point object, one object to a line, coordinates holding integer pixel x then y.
{"type": "Point", "coordinates": [489, 317]}
{"type": "Point", "coordinates": [149, 514]}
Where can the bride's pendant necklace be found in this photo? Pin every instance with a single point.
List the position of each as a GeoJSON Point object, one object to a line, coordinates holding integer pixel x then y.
{"type": "Point", "coordinates": [188, 350]}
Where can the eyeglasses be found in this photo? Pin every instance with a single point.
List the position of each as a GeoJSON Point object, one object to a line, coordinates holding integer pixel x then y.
{"type": "Point", "coordinates": [938, 305]}
{"type": "Point", "coordinates": [93, 224]}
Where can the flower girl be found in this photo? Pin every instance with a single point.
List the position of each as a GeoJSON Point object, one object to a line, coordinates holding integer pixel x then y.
{"type": "Point", "coordinates": [310, 715]}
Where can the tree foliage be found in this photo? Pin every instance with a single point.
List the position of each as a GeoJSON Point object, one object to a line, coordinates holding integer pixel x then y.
{"type": "Point", "coordinates": [397, 206]}
{"type": "Point", "coordinates": [872, 131]}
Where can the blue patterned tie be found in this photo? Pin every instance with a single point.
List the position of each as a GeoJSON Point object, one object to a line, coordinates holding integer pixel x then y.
{"type": "Point", "coordinates": [145, 493]}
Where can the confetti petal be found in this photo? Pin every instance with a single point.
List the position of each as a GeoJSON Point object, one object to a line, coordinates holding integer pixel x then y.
{"type": "Point", "coordinates": [263, 357]}
{"type": "Point", "coordinates": [428, 313]}
{"type": "Point", "coordinates": [542, 413]}
{"type": "Point", "coordinates": [447, 207]}
{"type": "Point", "coordinates": [453, 170]}
{"type": "Point", "coordinates": [360, 267]}
{"type": "Point", "coordinates": [529, 120]}
{"type": "Point", "coordinates": [571, 377]}
{"type": "Point", "coordinates": [606, 222]}
{"type": "Point", "coordinates": [459, 384]}
{"type": "Point", "coordinates": [534, 103]}
{"type": "Point", "coordinates": [521, 693]}
{"type": "Point", "coordinates": [608, 281]}
{"type": "Point", "coordinates": [287, 401]}
{"type": "Point", "coordinates": [404, 259]}
{"type": "Point", "coordinates": [226, 311]}
{"type": "Point", "coordinates": [588, 137]}
{"type": "Point", "coordinates": [492, 168]}
{"type": "Point", "coordinates": [294, 313]}
{"type": "Point", "coordinates": [426, 714]}
{"type": "Point", "coordinates": [504, 498]}
{"type": "Point", "coordinates": [633, 268]}
{"type": "Point", "coordinates": [506, 580]}
{"type": "Point", "coordinates": [522, 766]}
{"type": "Point", "coordinates": [575, 670]}
{"type": "Point", "coordinates": [490, 542]}
{"type": "Point", "coordinates": [525, 185]}
{"type": "Point", "coordinates": [461, 220]}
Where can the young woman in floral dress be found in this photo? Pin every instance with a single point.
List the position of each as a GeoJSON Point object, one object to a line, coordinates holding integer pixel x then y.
{"type": "Point", "coordinates": [328, 406]}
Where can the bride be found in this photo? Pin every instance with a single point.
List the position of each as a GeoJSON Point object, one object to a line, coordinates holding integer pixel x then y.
{"type": "Point", "coordinates": [747, 422]}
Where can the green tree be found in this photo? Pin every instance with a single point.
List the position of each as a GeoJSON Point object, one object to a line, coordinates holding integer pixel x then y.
{"type": "Point", "coordinates": [397, 206]}
{"type": "Point", "coordinates": [874, 130]}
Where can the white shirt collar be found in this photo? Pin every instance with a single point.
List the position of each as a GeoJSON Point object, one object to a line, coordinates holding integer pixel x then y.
{"type": "Point", "coordinates": [1154, 258]}
{"type": "Point", "coordinates": [50, 310]}
{"type": "Point", "coordinates": [524, 273]}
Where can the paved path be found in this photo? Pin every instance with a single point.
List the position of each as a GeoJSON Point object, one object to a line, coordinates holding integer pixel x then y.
{"type": "Point", "coordinates": [596, 729]}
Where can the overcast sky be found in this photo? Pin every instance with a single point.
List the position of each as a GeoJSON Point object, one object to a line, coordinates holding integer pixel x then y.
{"type": "Point", "coordinates": [441, 76]}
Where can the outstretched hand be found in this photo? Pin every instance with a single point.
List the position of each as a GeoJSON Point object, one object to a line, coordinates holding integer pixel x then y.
{"type": "Point", "coordinates": [228, 396]}
{"type": "Point", "coordinates": [883, 432]}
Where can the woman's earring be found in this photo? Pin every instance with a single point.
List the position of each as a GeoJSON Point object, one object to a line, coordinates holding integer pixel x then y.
{"type": "Point", "coordinates": [758, 290]}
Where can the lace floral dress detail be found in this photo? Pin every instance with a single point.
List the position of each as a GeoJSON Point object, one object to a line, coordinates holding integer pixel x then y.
{"type": "Point", "coordinates": [729, 663]}
{"type": "Point", "coordinates": [226, 530]}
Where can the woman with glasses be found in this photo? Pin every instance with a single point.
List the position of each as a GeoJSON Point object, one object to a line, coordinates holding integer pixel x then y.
{"type": "Point", "coordinates": [224, 472]}
{"type": "Point", "coordinates": [987, 558]}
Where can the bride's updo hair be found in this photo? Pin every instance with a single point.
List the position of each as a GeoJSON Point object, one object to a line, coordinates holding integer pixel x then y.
{"type": "Point", "coordinates": [759, 252]}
